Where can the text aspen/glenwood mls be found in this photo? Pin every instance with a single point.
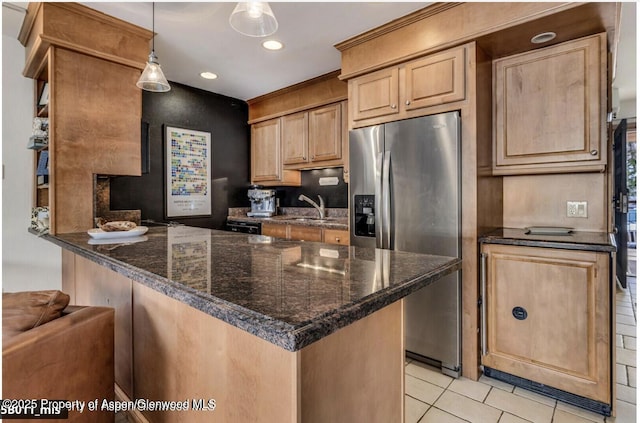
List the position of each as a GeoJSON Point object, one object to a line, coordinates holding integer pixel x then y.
{"type": "Point", "coordinates": [149, 405]}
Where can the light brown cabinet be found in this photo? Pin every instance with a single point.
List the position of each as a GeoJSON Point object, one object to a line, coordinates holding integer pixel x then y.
{"type": "Point", "coordinates": [548, 317]}
{"type": "Point", "coordinates": [336, 236]}
{"type": "Point", "coordinates": [94, 127]}
{"type": "Point", "coordinates": [550, 109]}
{"type": "Point", "coordinates": [89, 283]}
{"type": "Point", "coordinates": [394, 92]}
{"type": "Point", "coordinates": [314, 138]}
{"type": "Point", "coordinates": [306, 233]}
{"type": "Point", "coordinates": [266, 163]}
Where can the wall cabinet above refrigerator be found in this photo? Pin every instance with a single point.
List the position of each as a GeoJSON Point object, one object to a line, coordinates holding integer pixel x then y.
{"type": "Point", "coordinates": [400, 92]}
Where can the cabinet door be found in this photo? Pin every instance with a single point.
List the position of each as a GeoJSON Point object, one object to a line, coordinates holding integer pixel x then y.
{"type": "Point", "coordinates": [433, 80]}
{"type": "Point", "coordinates": [335, 236]}
{"type": "Point", "coordinates": [295, 140]}
{"type": "Point", "coordinates": [325, 133]}
{"type": "Point", "coordinates": [96, 285]}
{"type": "Point", "coordinates": [265, 151]}
{"type": "Point", "coordinates": [275, 230]}
{"type": "Point", "coordinates": [548, 317]}
{"type": "Point", "coordinates": [550, 106]}
{"type": "Point", "coordinates": [374, 95]}
{"type": "Point", "coordinates": [305, 233]}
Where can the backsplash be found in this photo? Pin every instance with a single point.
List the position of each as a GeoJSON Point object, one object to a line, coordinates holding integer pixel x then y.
{"type": "Point", "coordinates": [545, 201]}
{"type": "Point", "coordinates": [294, 211]}
{"type": "Point", "coordinates": [335, 196]}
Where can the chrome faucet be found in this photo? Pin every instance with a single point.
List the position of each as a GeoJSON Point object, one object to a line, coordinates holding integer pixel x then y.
{"type": "Point", "coordinates": [320, 207]}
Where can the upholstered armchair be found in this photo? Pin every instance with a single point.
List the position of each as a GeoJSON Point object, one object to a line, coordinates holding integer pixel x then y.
{"type": "Point", "coordinates": [57, 352]}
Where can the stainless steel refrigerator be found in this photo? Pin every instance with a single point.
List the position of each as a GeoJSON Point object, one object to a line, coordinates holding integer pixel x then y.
{"type": "Point", "coordinates": [404, 193]}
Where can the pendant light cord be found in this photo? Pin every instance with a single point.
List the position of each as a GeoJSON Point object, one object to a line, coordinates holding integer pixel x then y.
{"type": "Point", "coordinates": [153, 26]}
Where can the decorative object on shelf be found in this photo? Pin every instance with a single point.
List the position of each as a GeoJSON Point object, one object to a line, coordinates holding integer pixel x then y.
{"type": "Point", "coordinates": [40, 137]}
{"type": "Point", "coordinates": [152, 78]}
{"type": "Point", "coordinates": [43, 164]}
{"type": "Point", "coordinates": [44, 95]}
{"type": "Point", "coordinates": [40, 127]}
{"type": "Point", "coordinates": [40, 219]}
{"type": "Point", "coordinates": [254, 19]}
{"type": "Point", "coordinates": [187, 170]}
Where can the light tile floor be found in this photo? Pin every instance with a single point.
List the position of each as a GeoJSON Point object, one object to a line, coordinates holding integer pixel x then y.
{"type": "Point", "coordinates": [432, 397]}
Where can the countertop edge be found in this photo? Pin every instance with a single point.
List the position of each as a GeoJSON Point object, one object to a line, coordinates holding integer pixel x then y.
{"type": "Point", "coordinates": [564, 245]}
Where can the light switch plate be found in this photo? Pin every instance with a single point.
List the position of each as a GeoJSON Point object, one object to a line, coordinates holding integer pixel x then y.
{"type": "Point", "coordinates": [576, 209]}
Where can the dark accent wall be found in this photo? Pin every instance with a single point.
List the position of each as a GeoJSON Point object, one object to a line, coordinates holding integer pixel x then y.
{"type": "Point", "coordinates": [335, 196]}
{"type": "Point", "coordinates": [187, 107]}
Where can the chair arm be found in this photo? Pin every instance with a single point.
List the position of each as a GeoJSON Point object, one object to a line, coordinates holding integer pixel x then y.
{"type": "Point", "coordinates": [69, 358]}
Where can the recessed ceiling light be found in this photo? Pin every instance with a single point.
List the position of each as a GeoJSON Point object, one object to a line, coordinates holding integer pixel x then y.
{"type": "Point", "coordinates": [543, 37]}
{"type": "Point", "coordinates": [272, 45]}
{"type": "Point", "coordinates": [208, 75]}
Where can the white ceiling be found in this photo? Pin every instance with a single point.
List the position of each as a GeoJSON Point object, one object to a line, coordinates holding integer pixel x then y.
{"type": "Point", "coordinates": [196, 37]}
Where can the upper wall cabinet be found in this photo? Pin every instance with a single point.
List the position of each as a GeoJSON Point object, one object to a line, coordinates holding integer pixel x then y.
{"type": "Point", "coordinates": [312, 119]}
{"type": "Point", "coordinates": [394, 93]}
{"type": "Point", "coordinates": [313, 138]}
{"type": "Point", "coordinates": [266, 159]}
{"type": "Point", "coordinates": [550, 109]}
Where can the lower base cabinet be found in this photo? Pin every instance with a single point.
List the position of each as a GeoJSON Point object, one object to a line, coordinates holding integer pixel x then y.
{"type": "Point", "coordinates": [548, 317]}
{"type": "Point", "coordinates": [306, 233]}
{"type": "Point", "coordinates": [220, 373]}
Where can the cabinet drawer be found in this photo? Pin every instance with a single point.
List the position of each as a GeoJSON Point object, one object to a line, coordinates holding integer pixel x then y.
{"type": "Point", "coordinates": [305, 233]}
{"type": "Point", "coordinates": [336, 236]}
{"type": "Point", "coordinates": [274, 230]}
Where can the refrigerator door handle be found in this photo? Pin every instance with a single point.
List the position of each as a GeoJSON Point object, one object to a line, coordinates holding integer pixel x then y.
{"type": "Point", "coordinates": [378, 200]}
{"type": "Point", "coordinates": [386, 205]}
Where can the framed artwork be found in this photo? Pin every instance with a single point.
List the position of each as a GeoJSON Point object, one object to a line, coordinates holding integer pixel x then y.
{"type": "Point", "coordinates": [188, 173]}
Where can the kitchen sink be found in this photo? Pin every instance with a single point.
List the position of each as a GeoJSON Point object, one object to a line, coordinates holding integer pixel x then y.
{"type": "Point", "coordinates": [310, 219]}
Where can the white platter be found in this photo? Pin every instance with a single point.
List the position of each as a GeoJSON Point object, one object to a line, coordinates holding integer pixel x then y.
{"type": "Point", "coordinates": [97, 233]}
{"type": "Point", "coordinates": [118, 241]}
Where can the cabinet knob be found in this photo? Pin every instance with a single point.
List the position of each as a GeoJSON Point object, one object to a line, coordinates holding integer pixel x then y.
{"type": "Point", "coordinates": [337, 239]}
{"type": "Point", "coordinates": [304, 157]}
{"type": "Point", "coordinates": [594, 152]}
{"type": "Point", "coordinates": [407, 102]}
{"type": "Point", "coordinates": [393, 106]}
{"type": "Point", "coordinates": [519, 313]}
{"type": "Point", "coordinates": [313, 157]}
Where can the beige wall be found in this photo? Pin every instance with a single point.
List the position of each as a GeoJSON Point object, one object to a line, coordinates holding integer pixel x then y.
{"type": "Point", "coordinates": [545, 202]}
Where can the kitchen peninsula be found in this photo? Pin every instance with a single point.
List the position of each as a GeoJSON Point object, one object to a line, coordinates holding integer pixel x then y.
{"type": "Point", "coordinates": [272, 329]}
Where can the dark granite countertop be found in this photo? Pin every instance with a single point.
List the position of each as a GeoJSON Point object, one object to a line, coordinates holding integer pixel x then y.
{"type": "Point", "coordinates": [290, 293]}
{"type": "Point", "coordinates": [574, 240]}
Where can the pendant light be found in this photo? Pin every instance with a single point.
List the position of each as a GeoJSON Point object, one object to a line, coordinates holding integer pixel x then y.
{"type": "Point", "coordinates": [254, 19]}
{"type": "Point", "coordinates": [152, 78]}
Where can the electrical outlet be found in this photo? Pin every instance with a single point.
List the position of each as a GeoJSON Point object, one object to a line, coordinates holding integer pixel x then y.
{"type": "Point", "coordinates": [576, 209]}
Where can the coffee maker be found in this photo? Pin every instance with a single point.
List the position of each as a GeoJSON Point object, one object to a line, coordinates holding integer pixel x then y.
{"type": "Point", "coordinates": [263, 201]}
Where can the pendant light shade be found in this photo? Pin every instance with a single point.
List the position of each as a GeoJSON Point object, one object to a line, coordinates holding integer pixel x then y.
{"type": "Point", "coordinates": [152, 78]}
{"type": "Point", "coordinates": [254, 19]}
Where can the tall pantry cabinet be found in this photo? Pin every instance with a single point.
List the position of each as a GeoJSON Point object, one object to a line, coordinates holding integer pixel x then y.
{"type": "Point", "coordinates": [90, 62]}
